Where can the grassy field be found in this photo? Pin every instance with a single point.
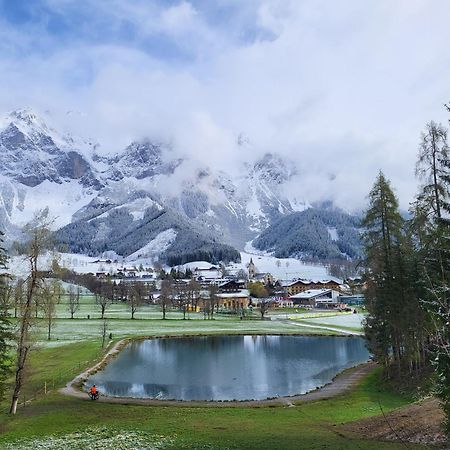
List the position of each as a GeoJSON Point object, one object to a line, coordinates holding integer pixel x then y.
{"type": "Point", "coordinates": [54, 421]}
{"type": "Point", "coordinates": [312, 425]}
{"type": "Point", "coordinates": [148, 322]}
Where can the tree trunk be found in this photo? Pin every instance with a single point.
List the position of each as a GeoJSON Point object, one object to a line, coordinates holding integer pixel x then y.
{"type": "Point", "coordinates": [22, 346]}
{"type": "Point", "coordinates": [13, 408]}
{"type": "Point", "coordinates": [19, 377]}
{"type": "Point", "coordinates": [435, 181]}
{"type": "Point", "coordinates": [38, 236]}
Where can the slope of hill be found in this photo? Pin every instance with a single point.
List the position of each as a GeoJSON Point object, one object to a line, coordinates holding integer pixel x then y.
{"type": "Point", "coordinates": [314, 233]}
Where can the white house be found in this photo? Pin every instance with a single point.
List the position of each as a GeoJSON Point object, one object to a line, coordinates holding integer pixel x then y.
{"type": "Point", "coordinates": [317, 298]}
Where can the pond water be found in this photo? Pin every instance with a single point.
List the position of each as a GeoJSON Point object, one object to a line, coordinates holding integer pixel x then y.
{"type": "Point", "coordinates": [227, 367]}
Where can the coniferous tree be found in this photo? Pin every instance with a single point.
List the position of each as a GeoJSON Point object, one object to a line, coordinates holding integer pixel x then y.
{"type": "Point", "coordinates": [432, 229]}
{"type": "Point", "coordinates": [433, 169]}
{"type": "Point", "coordinates": [390, 297]}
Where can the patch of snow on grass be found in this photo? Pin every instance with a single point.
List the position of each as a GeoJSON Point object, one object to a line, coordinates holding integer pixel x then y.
{"type": "Point", "coordinates": [98, 438]}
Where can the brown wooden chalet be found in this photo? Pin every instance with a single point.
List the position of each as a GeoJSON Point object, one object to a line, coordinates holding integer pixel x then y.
{"type": "Point", "coordinates": [231, 286]}
{"type": "Point", "coordinates": [297, 286]}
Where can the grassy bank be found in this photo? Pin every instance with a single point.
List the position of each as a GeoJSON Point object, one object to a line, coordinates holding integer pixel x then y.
{"type": "Point", "coordinates": [51, 420]}
{"type": "Point", "coordinates": [310, 425]}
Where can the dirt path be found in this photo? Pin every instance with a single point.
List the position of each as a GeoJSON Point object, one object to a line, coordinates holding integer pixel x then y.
{"type": "Point", "coordinates": [340, 384]}
{"type": "Point", "coordinates": [420, 423]}
{"type": "Point", "coordinates": [74, 387]}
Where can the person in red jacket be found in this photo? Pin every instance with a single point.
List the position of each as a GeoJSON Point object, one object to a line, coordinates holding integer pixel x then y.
{"type": "Point", "coordinates": [93, 392]}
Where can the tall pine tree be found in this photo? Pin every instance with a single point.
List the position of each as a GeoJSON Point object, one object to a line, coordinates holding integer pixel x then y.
{"type": "Point", "coordinates": [390, 297]}
{"type": "Point", "coordinates": [432, 226]}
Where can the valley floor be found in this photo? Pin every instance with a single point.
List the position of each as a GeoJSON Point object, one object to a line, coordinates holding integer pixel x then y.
{"type": "Point", "coordinates": [55, 421]}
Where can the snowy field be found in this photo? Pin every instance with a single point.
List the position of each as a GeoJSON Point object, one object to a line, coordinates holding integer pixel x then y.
{"type": "Point", "coordinates": [284, 268]}
{"type": "Point", "coordinates": [19, 266]}
{"type": "Point", "coordinates": [280, 268]}
{"type": "Point", "coordinates": [67, 331]}
{"type": "Point", "coordinates": [148, 322]}
{"type": "Point", "coordinates": [343, 320]}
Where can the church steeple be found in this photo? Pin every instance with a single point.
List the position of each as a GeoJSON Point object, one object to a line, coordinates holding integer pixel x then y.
{"type": "Point", "coordinates": [251, 269]}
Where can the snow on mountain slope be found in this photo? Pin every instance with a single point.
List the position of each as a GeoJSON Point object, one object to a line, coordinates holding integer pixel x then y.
{"type": "Point", "coordinates": [281, 268]}
{"type": "Point", "coordinates": [140, 160]}
{"type": "Point", "coordinates": [157, 245]}
{"type": "Point", "coordinates": [63, 200]}
{"type": "Point", "coordinates": [31, 152]}
{"type": "Point", "coordinates": [284, 268]}
{"type": "Point", "coordinates": [101, 196]}
{"type": "Point", "coordinates": [332, 231]}
{"type": "Point", "coordinates": [136, 208]}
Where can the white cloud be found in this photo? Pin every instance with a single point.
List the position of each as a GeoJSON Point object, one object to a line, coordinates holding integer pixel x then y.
{"type": "Point", "coordinates": [180, 18]}
{"type": "Point", "coordinates": [343, 88]}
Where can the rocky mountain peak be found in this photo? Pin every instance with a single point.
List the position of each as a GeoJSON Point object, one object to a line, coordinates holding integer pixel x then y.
{"type": "Point", "coordinates": [143, 159]}
{"type": "Point", "coordinates": [231, 207]}
{"type": "Point", "coordinates": [272, 168]}
{"type": "Point", "coordinates": [28, 122]}
{"type": "Point", "coordinates": [26, 115]}
{"type": "Point", "coordinates": [32, 152]}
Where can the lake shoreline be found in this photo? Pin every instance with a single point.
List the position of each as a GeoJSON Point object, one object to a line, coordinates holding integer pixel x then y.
{"type": "Point", "coordinates": [341, 382]}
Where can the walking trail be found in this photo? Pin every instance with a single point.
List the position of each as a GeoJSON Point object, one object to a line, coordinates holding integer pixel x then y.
{"type": "Point", "coordinates": [303, 324]}
{"type": "Point", "coordinates": [323, 327]}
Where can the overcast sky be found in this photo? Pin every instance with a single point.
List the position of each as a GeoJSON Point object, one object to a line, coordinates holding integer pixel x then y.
{"type": "Point", "coordinates": [341, 87]}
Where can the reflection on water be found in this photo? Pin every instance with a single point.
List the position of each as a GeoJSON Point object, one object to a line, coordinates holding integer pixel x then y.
{"type": "Point", "coordinates": [228, 367]}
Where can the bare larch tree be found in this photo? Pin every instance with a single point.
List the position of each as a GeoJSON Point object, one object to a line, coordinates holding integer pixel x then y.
{"type": "Point", "coordinates": [38, 232]}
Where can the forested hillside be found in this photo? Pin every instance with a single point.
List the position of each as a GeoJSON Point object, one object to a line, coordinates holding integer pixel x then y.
{"type": "Point", "coordinates": [118, 232]}
{"type": "Point", "coordinates": [314, 233]}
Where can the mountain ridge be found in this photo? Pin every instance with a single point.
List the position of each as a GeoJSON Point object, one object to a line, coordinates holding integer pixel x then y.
{"type": "Point", "coordinates": [104, 202]}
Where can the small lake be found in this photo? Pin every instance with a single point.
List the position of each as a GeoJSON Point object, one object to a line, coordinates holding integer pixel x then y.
{"type": "Point", "coordinates": [227, 367]}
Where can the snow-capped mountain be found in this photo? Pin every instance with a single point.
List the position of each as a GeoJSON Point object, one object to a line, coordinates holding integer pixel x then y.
{"type": "Point", "coordinates": [31, 152]}
{"type": "Point", "coordinates": [139, 160]}
{"type": "Point", "coordinates": [124, 202]}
